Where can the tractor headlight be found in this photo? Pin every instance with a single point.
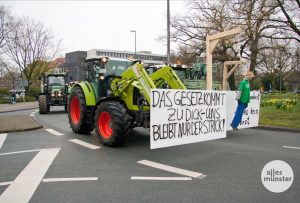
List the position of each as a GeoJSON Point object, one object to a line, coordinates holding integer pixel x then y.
{"type": "Point", "coordinates": [104, 60]}
{"type": "Point", "coordinates": [52, 94]}
{"type": "Point", "coordinates": [101, 76]}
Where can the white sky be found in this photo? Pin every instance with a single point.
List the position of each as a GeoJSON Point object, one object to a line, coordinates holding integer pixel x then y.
{"type": "Point", "coordinates": [84, 25]}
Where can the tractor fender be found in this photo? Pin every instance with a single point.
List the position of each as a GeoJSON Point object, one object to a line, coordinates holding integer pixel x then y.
{"type": "Point", "coordinates": [90, 99]}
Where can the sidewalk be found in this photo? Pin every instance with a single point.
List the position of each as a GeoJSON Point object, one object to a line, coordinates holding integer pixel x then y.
{"type": "Point", "coordinates": [18, 106]}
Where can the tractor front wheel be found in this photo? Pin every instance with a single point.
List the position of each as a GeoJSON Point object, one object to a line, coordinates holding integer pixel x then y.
{"type": "Point", "coordinates": [112, 123]}
{"type": "Point", "coordinates": [77, 112]}
{"type": "Point", "coordinates": [43, 107]}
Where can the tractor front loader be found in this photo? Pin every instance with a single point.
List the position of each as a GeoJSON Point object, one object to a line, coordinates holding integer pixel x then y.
{"type": "Point", "coordinates": [116, 98]}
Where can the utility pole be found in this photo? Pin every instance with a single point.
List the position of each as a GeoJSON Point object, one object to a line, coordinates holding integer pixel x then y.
{"type": "Point", "coordinates": [168, 31]}
{"type": "Point", "coordinates": [134, 42]}
{"type": "Point", "coordinates": [77, 73]}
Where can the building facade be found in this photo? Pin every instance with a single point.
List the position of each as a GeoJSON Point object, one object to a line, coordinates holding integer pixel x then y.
{"type": "Point", "coordinates": [75, 65]}
{"type": "Point", "coordinates": [146, 56]}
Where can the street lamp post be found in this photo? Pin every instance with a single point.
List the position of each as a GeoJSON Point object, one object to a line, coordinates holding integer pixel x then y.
{"type": "Point", "coordinates": [134, 42]}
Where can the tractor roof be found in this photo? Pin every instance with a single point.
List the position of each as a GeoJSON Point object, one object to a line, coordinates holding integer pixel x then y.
{"type": "Point", "coordinates": [110, 58]}
{"type": "Point", "coordinates": [55, 74]}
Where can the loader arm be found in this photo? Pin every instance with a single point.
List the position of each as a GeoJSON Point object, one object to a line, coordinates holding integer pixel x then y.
{"type": "Point", "coordinates": [133, 78]}
{"type": "Point", "coordinates": [167, 75]}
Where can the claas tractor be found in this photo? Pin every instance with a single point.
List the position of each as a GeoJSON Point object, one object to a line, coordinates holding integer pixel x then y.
{"type": "Point", "coordinates": [115, 98]}
{"type": "Point", "coordinates": [54, 92]}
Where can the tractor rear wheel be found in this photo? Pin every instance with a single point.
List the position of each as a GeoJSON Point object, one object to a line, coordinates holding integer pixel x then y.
{"type": "Point", "coordinates": [112, 123]}
{"type": "Point", "coordinates": [77, 112]}
{"type": "Point", "coordinates": [43, 107]}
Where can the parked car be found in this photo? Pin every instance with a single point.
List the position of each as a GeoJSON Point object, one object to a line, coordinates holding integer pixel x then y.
{"type": "Point", "coordinates": [297, 92]}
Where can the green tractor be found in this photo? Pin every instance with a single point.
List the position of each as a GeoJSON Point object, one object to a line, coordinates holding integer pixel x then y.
{"type": "Point", "coordinates": [195, 77]}
{"type": "Point", "coordinates": [115, 98]}
{"type": "Point", "coordinates": [54, 92]}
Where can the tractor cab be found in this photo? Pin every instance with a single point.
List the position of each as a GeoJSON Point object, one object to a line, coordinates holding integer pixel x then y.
{"type": "Point", "coordinates": [102, 70]}
{"type": "Point", "coordinates": [182, 71]}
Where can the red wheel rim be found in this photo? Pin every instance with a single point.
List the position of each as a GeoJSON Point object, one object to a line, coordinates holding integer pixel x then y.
{"type": "Point", "coordinates": [75, 110]}
{"type": "Point", "coordinates": [104, 124]}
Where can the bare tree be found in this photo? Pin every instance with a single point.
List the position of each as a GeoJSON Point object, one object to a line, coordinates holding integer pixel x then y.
{"type": "Point", "coordinates": [6, 20]}
{"type": "Point", "coordinates": [289, 20]}
{"type": "Point", "coordinates": [30, 46]}
{"type": "Point", "coordinates": [204, 17]}
{"type": "Point", "coordinates": [277, 62]}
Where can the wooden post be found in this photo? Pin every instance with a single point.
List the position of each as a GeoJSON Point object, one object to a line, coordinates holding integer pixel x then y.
{"type": "Point", "coordinates": [211, 43]}
{"type": "Point", "coordinates": [226, 75]}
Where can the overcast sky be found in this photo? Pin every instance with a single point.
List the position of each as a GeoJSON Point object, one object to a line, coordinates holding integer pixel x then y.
{"type": "Point", "coordinates": [84, 25]}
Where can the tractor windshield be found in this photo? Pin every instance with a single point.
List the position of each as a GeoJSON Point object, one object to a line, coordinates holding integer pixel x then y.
{"type": "Point", "coordinates": [115, 67]}
{"type": "Point", "coordinates": [56, 80]}
{"type": "Point", "coordinates": [183, 73]}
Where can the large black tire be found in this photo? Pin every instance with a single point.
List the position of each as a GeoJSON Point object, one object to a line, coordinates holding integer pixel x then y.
{"type": "Point", "coordinates": [43, 107]}
{"type": "Point", "coordinates": [112, 123]}
{"type": "Point", "coordinates": [77, 112]}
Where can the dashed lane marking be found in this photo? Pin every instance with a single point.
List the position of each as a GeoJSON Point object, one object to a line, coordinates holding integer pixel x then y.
{"type": "Point", "coordinates": [172, 169]}
{"type": "Point", "coordinates": [36, 110]}
{"type": "Point", "coordinates": [24, 186]}
{"type": "Point", "coordinates": [49, 180]}
{"type": "Point", "coordinates": [32, 114]}
{"type": "Point", "coordinates": [2, 139]}
{"type": "Point", "coordinates": [289, 147]}
{"type": "Point", "coordinates": [84, 144]}
{"type": "Point", "coordinates": [159, 178]}
{"type": "Point", "coordinates": [54, 132]}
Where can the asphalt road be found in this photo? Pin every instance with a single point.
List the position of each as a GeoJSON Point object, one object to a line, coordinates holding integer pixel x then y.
{"type": "Point", "coordinates": [232, 166]}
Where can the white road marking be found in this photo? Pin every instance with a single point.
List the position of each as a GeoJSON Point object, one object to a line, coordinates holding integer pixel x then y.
{"type": "Point", "coordinates": [172, 169]}
{"type": "Point", "coordinates": [6, 183]}
{"type": "Point", "coordinates": [85, 144]}
{"type": "Point", "coordinates": [36, 110]}
{"type": "Point", "coordinates": [20, 152]}
{"type": "Point", "coordinates": [23, 187]}
{"type": "Point", "coordinates": [291, 147]}
{"type": "Point", "coordinates": [54, 132]}
{"type": "Point", "coordinates": [32, 113]}
{"type": "Point", "coordinates": [159, 178]}
{"type": "Point", "coordinates": [2, 139]}
{"type": "Point", "coordinates": [49, 180]}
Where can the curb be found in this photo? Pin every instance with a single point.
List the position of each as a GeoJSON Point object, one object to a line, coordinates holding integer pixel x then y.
{"type": "Point", "coordinates": [277, 128]}
{"type": "Point", "coordinates": [22, 130]}
{"type": "Point", "coordinates": [18, 110]}
{"type": "Point", "coordinates": [37, 125]}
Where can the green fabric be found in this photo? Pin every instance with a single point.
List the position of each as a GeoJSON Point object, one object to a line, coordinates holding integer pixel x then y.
{"type": "Point", "coordinates": [245, 91]}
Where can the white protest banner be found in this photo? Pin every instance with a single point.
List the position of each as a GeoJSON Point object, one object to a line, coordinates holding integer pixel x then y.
{"type": "Point", "coordinates": [180, 117]}
{"type": "Point", "coordinates": [251, 114]}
